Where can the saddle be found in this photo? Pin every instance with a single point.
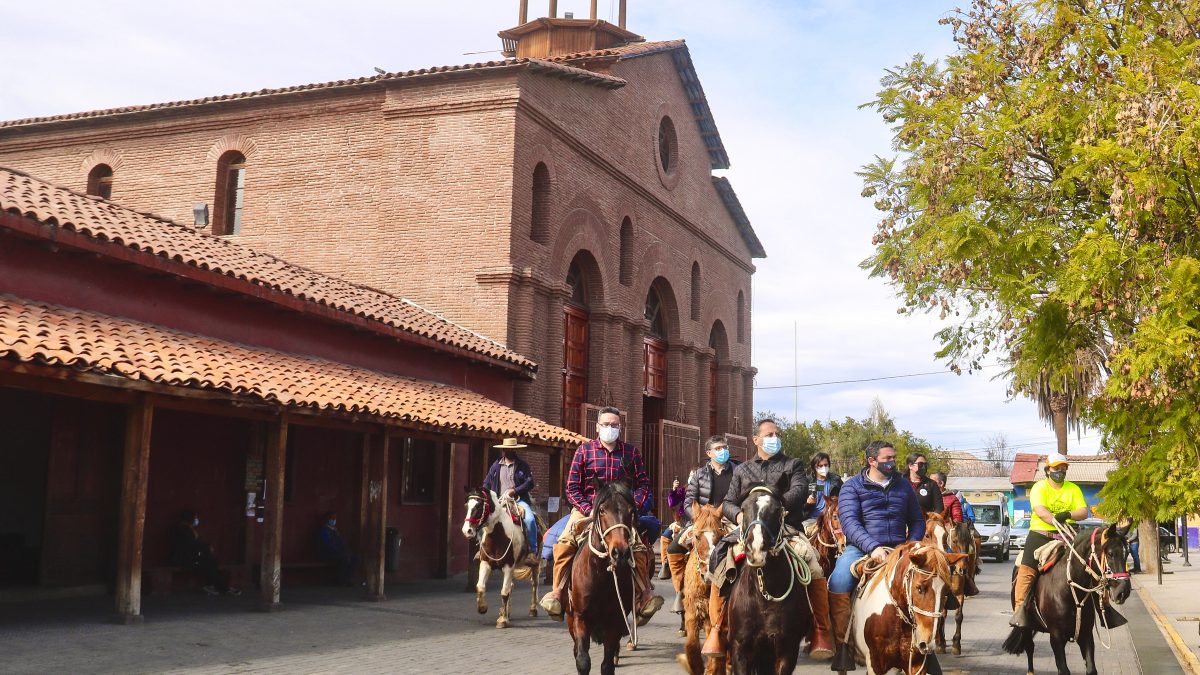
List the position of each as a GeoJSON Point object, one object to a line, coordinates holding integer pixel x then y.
{"type": "Point", "coordinates": [1047, 554]}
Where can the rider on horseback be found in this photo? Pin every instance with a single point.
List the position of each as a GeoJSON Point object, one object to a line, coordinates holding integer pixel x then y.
{"type": "Point", "coordinates": [608, 459]}
{"type": "Point", "coordinates": [770, 467]}
{"type": "Point", "coordinates": [878, 510]}
{"type": "Point", "coordinates": [510, 476]}
{"type": "Point", "coordinates": [950, 503]}
{"type": "Point", "coordinates": [1054, 498]}
{"type": "Point", "coordinates": [820, 485]}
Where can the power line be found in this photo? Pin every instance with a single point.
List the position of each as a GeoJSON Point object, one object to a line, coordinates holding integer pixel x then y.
{"type": "Point", "coordinates": [865, 379]}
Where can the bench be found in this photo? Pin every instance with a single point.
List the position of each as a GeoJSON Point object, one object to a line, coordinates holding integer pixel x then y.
{"type": "Point", "coordinates": [169, 578]}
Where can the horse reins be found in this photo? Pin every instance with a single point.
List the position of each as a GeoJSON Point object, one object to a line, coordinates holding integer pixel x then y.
{"type": "Point", "coordinates": [630, 624]}
{"type": "Point", "coordinates": [1101, 575]}
{"type": "Point", "coordinates": [487, 513]}
{"type": "Point", "coordinates": [797, 566]}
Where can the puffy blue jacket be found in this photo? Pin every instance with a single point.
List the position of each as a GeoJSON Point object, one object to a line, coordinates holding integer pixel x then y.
{"type": "Point", "coordinates": [874, 516]}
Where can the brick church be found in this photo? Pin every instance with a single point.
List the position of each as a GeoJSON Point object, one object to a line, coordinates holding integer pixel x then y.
{"type": "Point", "coordinates": [560, 201]}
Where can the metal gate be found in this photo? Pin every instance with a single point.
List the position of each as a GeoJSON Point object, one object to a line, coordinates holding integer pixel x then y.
{"type": "Point", "coordinates": [670, 450]}
{"type": "Point", "coordinates": [740, 447]}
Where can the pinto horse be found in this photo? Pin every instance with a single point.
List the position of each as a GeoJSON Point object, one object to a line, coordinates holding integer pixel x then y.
{"type": "Point", "coordinates": [706, 530]}
{"type": "Point", "coordinates": [602, 588]}
{"type": "Point", "coordinates": [962, 584]}
{"type": "Point", "coordinates": [768, 606]}
{"type": "Point", "coordinates": [1067, 599]}
{"type": "Point", "coordinates": [897, 609]}
{"type": "Point", "coordinates": [502, 546]}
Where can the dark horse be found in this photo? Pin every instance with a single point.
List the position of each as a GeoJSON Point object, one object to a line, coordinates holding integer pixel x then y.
{"type": "Point", "coordinates": [601, 590]}
{"type": "Point", "coordinates": [768, 606]}
{"type": "Point", "coordinates": [961, 540]}
{"type": "Point", "coordinates": [1095, 562]}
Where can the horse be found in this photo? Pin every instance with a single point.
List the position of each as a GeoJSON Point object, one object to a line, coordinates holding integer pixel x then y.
{"type": "Point", "coordinates": [706, 529]}
{"type": "Point", "coordinates": [768, 606]}
{"type": "Point", "coordinates": [602, 587]}
{"type": "Point", "coordinates": [896, 610]}
{"type": "Point", "coordinates": [828, 539]}
{"type": "Point", "coordinates": [1067, 598]}
{"type": "Point", "coordinates": [502, 546]}
{"type": "Point", "coordinates": [962, 584]}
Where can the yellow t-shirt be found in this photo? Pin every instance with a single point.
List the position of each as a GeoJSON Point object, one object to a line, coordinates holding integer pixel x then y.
{"type": "Point", "coordinates": [1067, 498]}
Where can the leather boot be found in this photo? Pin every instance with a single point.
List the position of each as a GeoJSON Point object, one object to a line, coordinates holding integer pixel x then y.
{"type": "Point", "coordinates": [1021, 587]}
{"type": "Point", "coordinates": [678, 564]}
{"type": "Point", "coordinates": [714, 642]}
{"type": "Point", "coordinates": [818, 597]}
{"type": "Point", "coordinates": [839, 613]}
{"type": "Point", "coordinates": [648, 601]}
{"type": "Point", "coordinates": [563, 553]}
{"type": "Point", "coordinates": [664, 570]}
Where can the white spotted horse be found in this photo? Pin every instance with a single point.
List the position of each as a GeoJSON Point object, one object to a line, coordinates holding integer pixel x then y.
{"type": "Point", "coordinates": [502, 546]}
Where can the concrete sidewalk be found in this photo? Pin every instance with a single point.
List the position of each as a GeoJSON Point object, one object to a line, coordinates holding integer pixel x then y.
{"type": "Point", "coordinates": [1175, 606]}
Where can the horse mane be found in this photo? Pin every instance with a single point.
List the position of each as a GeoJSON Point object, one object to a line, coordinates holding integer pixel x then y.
{"type": "Point", "coordinates": [904, 552]}
{"type": "Point", "coordinates": [708, 519]}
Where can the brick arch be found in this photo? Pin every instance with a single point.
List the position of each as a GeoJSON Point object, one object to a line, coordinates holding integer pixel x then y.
{"type": "Point", "coordinates": [113, 158]}
{"type": "Point", "coordinates": [581, 230]}
{"type": "Point", "coordinates": [718, 339]}
{"type": "Point", "coordinates": [233, 142]}
{"type": "Point", "coordinates": [670, 305]}
{"type": "Point", "coordinates": [593, 276]}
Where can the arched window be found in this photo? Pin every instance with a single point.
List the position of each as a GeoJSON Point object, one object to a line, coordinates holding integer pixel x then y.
{"type": "Point", "coordinates": [231, 193]}
{"type": "Point", "coordinates": [741, 318]}
{"type": "Point", "coordinates": [578, 289]}
{"type": "Point", "coordinates": [668, 145]}
{"type": "Point", "coordinates": [695, 291]}
{"type": "Point", "coordinates": [654, 314]}
{"type": "Point", "coordinates": [626, 271]}
{"type": "Point", "coordinates": [100, 180]}
{"type": "Point", "coordinates": [539, 221]}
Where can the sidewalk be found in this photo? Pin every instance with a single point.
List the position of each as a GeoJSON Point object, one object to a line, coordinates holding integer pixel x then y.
{"type": "Point", "coordinates": [1175, 607]}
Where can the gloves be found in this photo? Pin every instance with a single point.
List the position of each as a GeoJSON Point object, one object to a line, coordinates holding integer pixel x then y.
{"type": "Point", "coordinates": [1062, 516]}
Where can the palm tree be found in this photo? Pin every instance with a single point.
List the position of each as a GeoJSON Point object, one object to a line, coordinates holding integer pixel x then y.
{"type": "Point", "coordinates": [1062, 393]}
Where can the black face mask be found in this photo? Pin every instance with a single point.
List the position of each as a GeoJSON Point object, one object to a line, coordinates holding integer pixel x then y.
{"type": "Point", "coordinates": [886, 468]}
{"type": "Point", "coordinates": [922, 469]}
{"type": "Point", "coordinates": [1058, 476]}
{"type": "Point", "coordinates": [508, 454]}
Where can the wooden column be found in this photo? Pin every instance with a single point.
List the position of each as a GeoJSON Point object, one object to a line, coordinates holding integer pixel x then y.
{"type": "Point", "coordinates": [452, 478]}
{"type": "Point", "coordinates": [274, 461]}
{"type": "Point", "coordinates": [375, 533]}
{"type": "Point", "coordinates": [593, 15]}
{"type": "Point", "coordinates": [131, 529]}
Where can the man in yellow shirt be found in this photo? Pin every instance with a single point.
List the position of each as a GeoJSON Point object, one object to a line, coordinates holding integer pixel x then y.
{"type": "Point", "coordinates": [1054, 498]}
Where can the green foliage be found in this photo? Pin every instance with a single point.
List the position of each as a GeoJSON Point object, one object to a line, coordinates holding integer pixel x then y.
{"type": "Point", "coordinates": [1045, 202]}
{"type": "Point", "coordinates": [844, 441]}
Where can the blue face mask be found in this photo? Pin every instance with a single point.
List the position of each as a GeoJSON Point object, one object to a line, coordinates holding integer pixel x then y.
{"type": "Point", "coordinates": [772, 444]}
{"type": "Point", "coordinates": [332, 522]}
{"type": "Point", "coordinates": [721, 456]}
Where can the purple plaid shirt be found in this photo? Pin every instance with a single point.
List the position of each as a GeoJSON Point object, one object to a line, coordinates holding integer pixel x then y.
{"type": "Point", "coordinates": [593, 460]}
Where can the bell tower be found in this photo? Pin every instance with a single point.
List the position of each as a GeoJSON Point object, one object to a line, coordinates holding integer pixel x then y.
{"type": "Point", "coordinates": [551, 36]}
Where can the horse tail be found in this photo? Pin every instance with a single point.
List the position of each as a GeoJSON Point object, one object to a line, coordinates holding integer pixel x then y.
{"type": "Point", "coordinates": [1018, 640]}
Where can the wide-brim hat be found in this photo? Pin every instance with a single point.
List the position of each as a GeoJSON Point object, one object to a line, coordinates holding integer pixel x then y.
{"type": "Point", "coordinates": [510, 444]}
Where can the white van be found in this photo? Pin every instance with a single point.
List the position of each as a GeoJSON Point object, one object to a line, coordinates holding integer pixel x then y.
{"type": "Point", "coordinates": [991, 521]}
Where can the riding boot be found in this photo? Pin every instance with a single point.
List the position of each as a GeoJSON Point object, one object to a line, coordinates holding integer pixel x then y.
{"type": "Point", "coordinates": [664, 570]}
{"type": "Point", "coordinates": [818, 597]}
{"type": "Point", "coordinates": [839, 613]}
{"type": "Point", "coordinates": [714, 642]}
{"type": "Point", "coordinates": [563, 553]}
{"type": "Point", "coordinates": [678, 564]}
{"type": "Point", "coordinates": [932, 666]}
{"type": "Point", "coordinates": [1026, 575]}
{"type": "Point", "coordinates": [648, 602]}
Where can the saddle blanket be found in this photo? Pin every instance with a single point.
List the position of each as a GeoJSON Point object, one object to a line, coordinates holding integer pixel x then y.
{"type": "Point", "coordinates": [1047, 554]}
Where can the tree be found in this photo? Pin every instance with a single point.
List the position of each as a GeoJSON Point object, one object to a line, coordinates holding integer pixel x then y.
{"type": "Point", "coordinates": [1045, 200]}
{"type": "Point", "coordinates": [998, 455]}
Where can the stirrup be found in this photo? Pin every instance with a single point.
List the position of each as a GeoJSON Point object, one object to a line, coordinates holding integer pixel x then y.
{"type": "Point", "coordinates": [652, 605]}
{"type": "Point", "coordinates": [553, 606]}
{"type": "Point", "coordinates": [1020, 618]}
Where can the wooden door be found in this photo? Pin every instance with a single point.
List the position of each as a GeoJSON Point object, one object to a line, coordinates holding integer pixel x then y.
{"type": "Point", "coordinates": [712, 399]}
{"type": "Point", "coordinates": [655, 368]}
{"type": "Point", "coordinates": [575, 364]}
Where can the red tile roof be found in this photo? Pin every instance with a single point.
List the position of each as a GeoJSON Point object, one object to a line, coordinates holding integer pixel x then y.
{"type": "Point", "coordinates": [86, 342]}
{"type": "Point", "coordinates": [59, 209]}
{"type": "Point", "coordinates": [1025, 465]}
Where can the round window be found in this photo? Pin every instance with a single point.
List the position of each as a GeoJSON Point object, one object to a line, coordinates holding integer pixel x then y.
{"type": "Point", "coordinates": [668, 145]}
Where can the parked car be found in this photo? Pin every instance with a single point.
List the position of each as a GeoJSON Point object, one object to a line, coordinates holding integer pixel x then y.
{"type": "Point", "coordinates": [1166, 540]}
{"type": "Point", "coordinates": [1017, 533]}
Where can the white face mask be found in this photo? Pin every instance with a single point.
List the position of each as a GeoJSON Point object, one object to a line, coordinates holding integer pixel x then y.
{"type": "Point", "coordinates": [609, 434]}
{"type": "Point", "coordinates": [822, 471]}
{"type": "Point", "coordinates": [195, 522]}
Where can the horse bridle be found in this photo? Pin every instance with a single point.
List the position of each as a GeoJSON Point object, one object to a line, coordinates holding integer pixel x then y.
{"type": "Point", "coordinates": [775, 539]}
{"type": "Point", "coordinates": [835, 531]}
{"type": "Point", "coordinates": [487, 509]}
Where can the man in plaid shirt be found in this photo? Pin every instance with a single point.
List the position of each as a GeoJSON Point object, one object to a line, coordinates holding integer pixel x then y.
{"type": "Point", "coordinates": [605, 458]}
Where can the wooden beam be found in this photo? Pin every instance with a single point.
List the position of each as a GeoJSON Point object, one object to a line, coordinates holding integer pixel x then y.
{"type": "Point", "coordinates": [132, 526]}
{"type": "Point", "coordinates": [272, 543]}
{"type": "Point", "coordinates": [375, 533]}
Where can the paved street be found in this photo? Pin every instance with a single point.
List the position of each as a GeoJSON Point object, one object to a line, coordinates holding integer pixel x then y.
{"type": "Point", "coordinates": [429, 627]}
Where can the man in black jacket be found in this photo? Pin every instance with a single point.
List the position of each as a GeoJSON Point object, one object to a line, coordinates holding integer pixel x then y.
{"type": "Point", "coordinates": [771, 467]}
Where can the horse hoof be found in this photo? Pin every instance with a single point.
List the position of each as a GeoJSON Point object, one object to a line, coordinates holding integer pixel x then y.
{"type": "Point", "coordinates": [957, 651]}
{"type": "Point", "coordinates": [681, 633]}
{"type": "Point", "coordinates": [482, 608]}
{"type": "Point", "coordinates": [501, 623]}
{"type": "Point", "coordinates": [630, 646]}
{"type": "Point", "coordinates": [532, 611]}
{"type": "Point", "coordinates": [941, 649]}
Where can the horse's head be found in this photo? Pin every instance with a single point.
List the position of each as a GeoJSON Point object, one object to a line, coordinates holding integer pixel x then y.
{"type": "Point", "coordinates": [479, 509]}
{"type": "Point", "coordinates": [962, 576]}
{"type": "Point", "coordinates": [613, 517]}
{"type": "Point", "coordinates": [1113, 546]}
{"type": "Point", "coordinates": [962, 540]}
{"type": "Point", "coordinates": [706, 530]}
{"type": "Point", "coordinates": [762, 524]}
{"type": "Point", "coordinates": [831, 522]}
{"type": "Point", "coordinates": [936, 532]}
{"type": "Point", "coordinates": [923, 582]}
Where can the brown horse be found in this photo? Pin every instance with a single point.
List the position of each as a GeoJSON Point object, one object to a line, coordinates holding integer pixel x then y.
{"type": "Point", "coordinates": [707, 529]}
{"type": "Point", "coordinates": [897, 609]}
{"type": "Point", "coordinates": [962, 583]}
{"type": "Point", "coordinates": [768, 608]}
{"type": "Point", "coordinates": [602, 591]}
{"type": "Point", "coordinates": [1067, 599]}
{"type": "Point", "coordinates": [502, 546]}
{"type": "Point", "coordinates": [828, 539]}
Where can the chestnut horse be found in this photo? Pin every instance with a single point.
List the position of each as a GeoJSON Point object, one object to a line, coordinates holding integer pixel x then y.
{"type": "Point", "coordinates": [502, 546]}
{"type": "Point", "coordinates": [707, 528]}
{"type": "Point", "coordinates": [1067, 599]}
{"type": "Point", "coordinates": [962, 584]}
{"type": "Point", "coordinates": [896, 610]}
{"type": "Point", "coordinates": [602, 591]}
{"type": "Point", "coordinates": [828, 539]}
{"type": "Point", "coordinates": [768, 608]}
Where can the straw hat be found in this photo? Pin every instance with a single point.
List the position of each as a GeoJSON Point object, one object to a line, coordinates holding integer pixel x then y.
{"type": "Point", "coordinates": [510, 444]}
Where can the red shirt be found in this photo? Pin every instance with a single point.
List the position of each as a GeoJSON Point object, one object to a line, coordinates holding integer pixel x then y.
{"type": "Point", "coordinates": [950, 502]}
{"type": "Point", "coordinates": [593, 460]}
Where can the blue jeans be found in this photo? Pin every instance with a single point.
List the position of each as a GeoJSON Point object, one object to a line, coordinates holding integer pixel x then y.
{"type": "Point", "coordinates": [530, 526]}
{"type": "Point", "coordinates": [1137, 560]}
{"type": "Point", "coordinates": [841, 580]}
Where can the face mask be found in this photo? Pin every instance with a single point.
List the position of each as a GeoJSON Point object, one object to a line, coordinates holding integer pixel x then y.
{"type": "Point", "coordinates": [332, 522]}
{"type": "Point", "coordinates": [772, 444]}
{"type": "Point", "coordinates": [1058, 476]}
{"type": "Point", "coordinates": [509, 454]}
{"type": "Point", "coordinates": [195, 522]}
{"type": "Point", "coordinates": [822, 471]}
{"type": "Point", "coordinates": [721, 456]}
{"type": "Point", "coordinates": [886, 468]}
{"type": "Point", "coordinates": [609, 434]}
{"type": "Point", "coordinates": [922, 469]}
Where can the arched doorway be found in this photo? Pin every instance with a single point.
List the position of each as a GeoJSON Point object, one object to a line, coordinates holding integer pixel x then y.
{"type": "Point", "coordinates": [654, 388]}
{"type": "Point", "coordinates": [576, 317]}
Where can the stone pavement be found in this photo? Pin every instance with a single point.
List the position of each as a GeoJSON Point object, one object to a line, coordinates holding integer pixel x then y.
{"type": "Point", "coordinates": [427, 627]}
{"type": "Point", "coordinates": [1176, 603]}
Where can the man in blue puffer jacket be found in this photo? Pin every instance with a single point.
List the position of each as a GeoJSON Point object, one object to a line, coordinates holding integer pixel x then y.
{"type": "Point", "coordinates": [877, 508]}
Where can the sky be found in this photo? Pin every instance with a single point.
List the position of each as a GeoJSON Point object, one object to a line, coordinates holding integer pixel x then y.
{"type": "Point", "coordinates": [784, 78]}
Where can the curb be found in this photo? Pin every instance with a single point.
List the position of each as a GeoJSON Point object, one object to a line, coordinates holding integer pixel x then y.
{"type": "Point", "coordinates": [1187, 660]}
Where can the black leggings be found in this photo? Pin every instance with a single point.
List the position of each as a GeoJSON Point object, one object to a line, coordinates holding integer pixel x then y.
{"type": "Point", "coordinates": [1033, 541]}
